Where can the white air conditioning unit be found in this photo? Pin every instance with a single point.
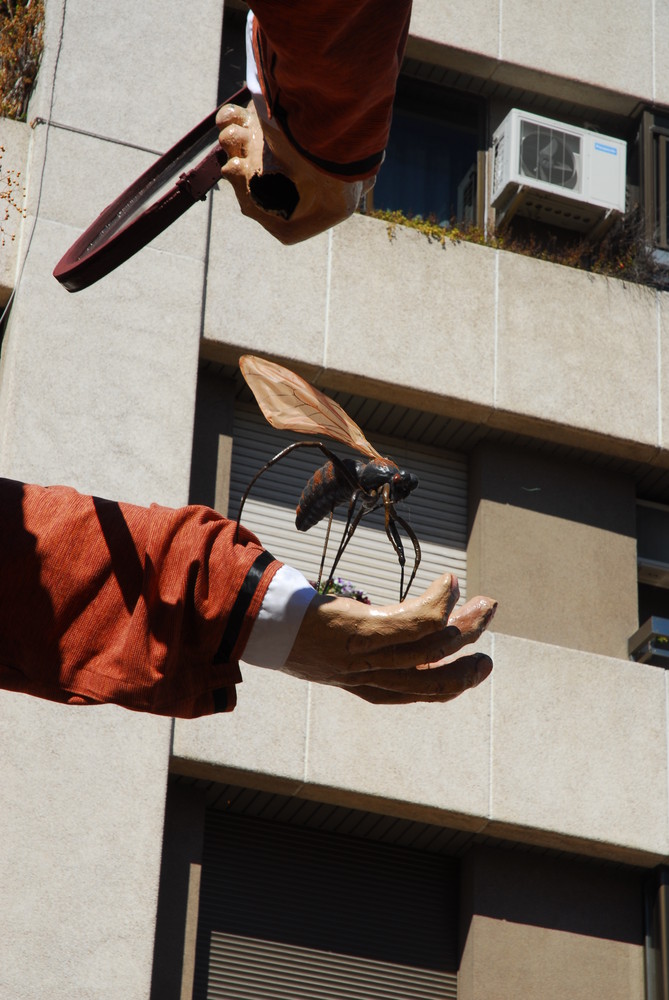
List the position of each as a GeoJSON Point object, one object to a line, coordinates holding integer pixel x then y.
{"type": "Point", "coordinates": [556, 173]}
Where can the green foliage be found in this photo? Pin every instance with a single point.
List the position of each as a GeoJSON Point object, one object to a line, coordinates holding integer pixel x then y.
{"type": "Point", "coordinates": [622, 253]}
{"type": "Point", "coordinates": [21, 43]}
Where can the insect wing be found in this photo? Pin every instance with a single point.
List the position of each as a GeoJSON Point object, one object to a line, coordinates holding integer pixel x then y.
{"type": "Point", "coordinates": [291, 404]}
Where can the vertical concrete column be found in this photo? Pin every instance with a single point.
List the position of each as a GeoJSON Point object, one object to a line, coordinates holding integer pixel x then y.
{"type": "Point", "coordinates": [82, 792]}
{"type": "Point", "coordinates": [532, 926]}
{"type": "Point", "coordinates": [98, 387]}
{"type": "Point", "coordinates": [97, 390]}
{"type": "Point", "coordinates": [212, 442]}
{"type": "Point", "coordinates": [179, 900]}
{"type": "Point", "coordinates": [555, 543]}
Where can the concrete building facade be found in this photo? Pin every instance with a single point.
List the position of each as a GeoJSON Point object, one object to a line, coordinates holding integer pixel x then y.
{"type": "Point", "coordinates": [538, 804]}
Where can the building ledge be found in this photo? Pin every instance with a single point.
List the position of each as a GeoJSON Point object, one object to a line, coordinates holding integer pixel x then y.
{"type": "Point", "coordinates": [559, 748]}
{"type": "Point", "coordinates": [461, 330]}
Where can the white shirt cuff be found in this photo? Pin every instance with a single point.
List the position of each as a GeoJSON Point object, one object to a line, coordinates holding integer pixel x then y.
{"type": "Point", "coordinates": [252, 81]}
{"type": "Point", "coordinates": [275, 629]}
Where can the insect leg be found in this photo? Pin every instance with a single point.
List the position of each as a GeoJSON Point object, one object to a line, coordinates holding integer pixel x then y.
{"type": "Point", "coordinates": [349, 528]}
{"type": "Point", "coordinates": [392, 519]}
{"type": "Point", "coordinates": [396, 519]}
{"type": "Point", "coordinates": [325, 548]}
{"type": "Point", "coordinates": [286, 451]}
{"type": "Point", "coordinates": [396, 542]}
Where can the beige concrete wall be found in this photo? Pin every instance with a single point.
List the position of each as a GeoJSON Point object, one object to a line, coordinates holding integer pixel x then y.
{"type": "Point", "coordinates": [592, 47]}
{"type": "Point", "coordinates": [533, 927]}
{"type": "Point", "coordinates": [555, 542]}
{"type": "Point", "coordinates": [97, 390]}
{"type": "Point", "coordinates": [82, 794]}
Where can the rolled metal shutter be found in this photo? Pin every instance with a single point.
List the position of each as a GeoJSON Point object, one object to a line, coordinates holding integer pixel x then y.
{"type": "Point", "coordinates": [290, 913]}
{"type": "Point", "coordinates": [437, 510]}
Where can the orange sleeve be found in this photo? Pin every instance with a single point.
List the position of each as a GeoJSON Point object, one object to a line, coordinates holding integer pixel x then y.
{"type": "Point", "coordinates": [328, 70]}
{"type": "Point", "coordinates": [148, 608]}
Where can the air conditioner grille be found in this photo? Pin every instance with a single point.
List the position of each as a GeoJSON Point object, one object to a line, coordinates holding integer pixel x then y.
{"type": "Point", "coordinates": [550, 155]}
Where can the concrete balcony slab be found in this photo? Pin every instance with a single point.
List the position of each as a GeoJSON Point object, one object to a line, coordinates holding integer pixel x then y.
{"type": "Point", "coordinates": [427, 762]}
{"type": "Point", "coordinates": [262, 743]}
{"type": "Point", "coordinates": [408, 312]}
{"type": "Point", "coordinates": [579, 748]}
{"type": "Point", "coordinates": [472, 27]}
{"type": "Point", "coordinates": [661, 69]}
{"type": "Point", "coordinates": [558, 748]}
{"type": "Point", "coordinates": [578, 350]}
{"type": "Point", "coordinates": [262, 297]}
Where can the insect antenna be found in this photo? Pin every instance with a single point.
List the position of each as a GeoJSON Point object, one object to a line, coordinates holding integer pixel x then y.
{"type": "Point", "coordinates": [277, 458]}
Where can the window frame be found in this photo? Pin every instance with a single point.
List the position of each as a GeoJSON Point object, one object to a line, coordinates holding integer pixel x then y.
{"type": "Point", "coordinates": [654, 148]}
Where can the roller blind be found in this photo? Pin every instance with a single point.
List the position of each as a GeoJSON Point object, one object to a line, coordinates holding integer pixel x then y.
{"type": "Point", "coordinates": [290, 913]}
{"type": "Point", "coordinates": [437, 510]}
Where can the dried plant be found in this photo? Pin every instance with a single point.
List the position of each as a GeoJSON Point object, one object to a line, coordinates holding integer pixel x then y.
{"type": "Point", "coordinates": [21, 43]}
{"type": "Point", "coordinates": [12, 196]}
{"type": "Point", "coordinates": [623, 252]}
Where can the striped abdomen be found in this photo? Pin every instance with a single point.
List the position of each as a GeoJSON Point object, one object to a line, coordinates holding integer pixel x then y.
{"type": "Point", "coordinates": [327, 488]}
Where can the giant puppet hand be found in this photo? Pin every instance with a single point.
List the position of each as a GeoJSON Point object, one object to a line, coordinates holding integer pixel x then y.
{"type": "Point", "coordinates": [395, 654]}
{"type": "Point", "coordinates": [290, 197]}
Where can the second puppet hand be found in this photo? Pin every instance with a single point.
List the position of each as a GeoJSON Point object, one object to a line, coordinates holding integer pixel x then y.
{"type": "Point", "coordinates": [396, 654]}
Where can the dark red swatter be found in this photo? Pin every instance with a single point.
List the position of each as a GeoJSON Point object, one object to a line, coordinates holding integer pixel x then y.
{"type": "Point", "coordinates": [153, 202]}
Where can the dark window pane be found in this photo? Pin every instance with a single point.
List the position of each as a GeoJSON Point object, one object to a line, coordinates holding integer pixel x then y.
{"type": "Point", "coordinates": [232, 72]}
{"type": "Point", "coordinates": [430, 154]}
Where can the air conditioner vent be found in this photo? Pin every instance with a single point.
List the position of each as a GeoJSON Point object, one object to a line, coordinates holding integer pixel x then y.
{"type": "Point", "coordinates": [550, 155]}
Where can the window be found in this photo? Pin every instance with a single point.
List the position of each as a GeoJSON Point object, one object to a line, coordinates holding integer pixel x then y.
{"type": "Point", "coordinates": [232, 71]}
{"type": "Point", "coordinates": [651, 643]}
{"type": "Point", "coordinates": [656, 933]}
{"type": "Point", "coordinates": [654, 147]}
{"type": "Point", "coordinates": [293, 912]}
{"type": "Point", "coordinates": [653, 559]}
{"type": "Point", "coordinates": [431, 167]}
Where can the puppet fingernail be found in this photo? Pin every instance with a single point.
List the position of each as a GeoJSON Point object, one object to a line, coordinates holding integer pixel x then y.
{"type": "Point", "coordinates": [490, 614]}
{"type": "Point", "coordinates": [482, 669]}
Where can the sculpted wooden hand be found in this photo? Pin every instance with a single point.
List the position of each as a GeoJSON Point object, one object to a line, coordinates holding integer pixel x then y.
{"type": "Point", "coordinates": [395, 654]}
{"type": "Point", "coordinates": [274, 184]}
